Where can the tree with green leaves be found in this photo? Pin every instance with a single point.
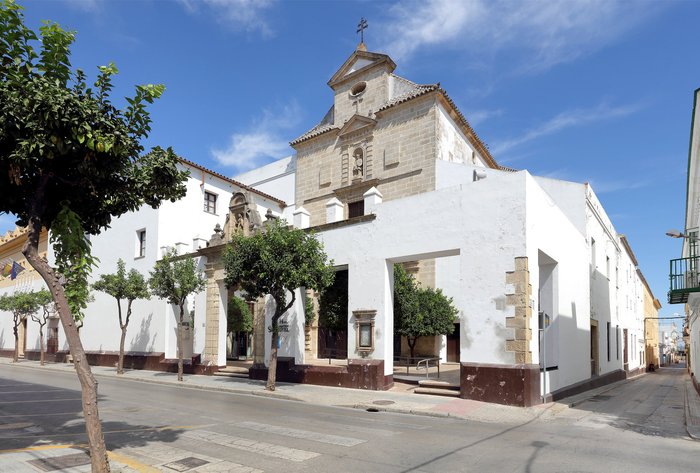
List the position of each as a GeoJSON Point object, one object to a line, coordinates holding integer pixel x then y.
{"type": "Point", "coordinates": [175, 279]}
{"type": "Point", "coordinates": [238, 316]}
{"type": "Point", "coordinates": [129, 287]}
{"type": "Point", "coordinates": [45, 307]}
{"type": "Point", "coordinates": [70, 161]}
{"type": "Point", "coordinates": [276, 261]}
{"type": "Point", "coordinates": [420, 312]}
{"type": "Point", "coordinates": [21, 305]}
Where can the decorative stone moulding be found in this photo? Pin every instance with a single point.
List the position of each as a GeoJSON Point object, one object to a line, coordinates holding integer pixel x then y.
{"type": "Point", "coordinates": [364, 331]}
{"type": "Point", "coordinates": [302, 218]}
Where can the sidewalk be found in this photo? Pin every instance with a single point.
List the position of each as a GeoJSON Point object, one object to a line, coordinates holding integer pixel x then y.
{"type": "Point", "coordinates": [400, 399]}
{"type": "Point", "coordinates": [692, 410]}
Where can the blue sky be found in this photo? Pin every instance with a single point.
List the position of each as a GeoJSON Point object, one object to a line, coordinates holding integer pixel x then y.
{"type": "Point", "coordinates": [597, 91]}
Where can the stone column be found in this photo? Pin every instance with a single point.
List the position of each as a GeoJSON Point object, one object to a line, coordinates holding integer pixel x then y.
{"type": "Point", "coordinates": [214, 272]}
{"type": "Point", "coordinates": [259, 334]}
{"type": "Point", "coordinates": [520, 300]}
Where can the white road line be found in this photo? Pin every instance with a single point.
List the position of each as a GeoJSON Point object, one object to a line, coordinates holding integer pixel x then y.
{"type": "Point", "coordinates": [252, 446]}
{"type": "Point", "coordinates": [302, 434]}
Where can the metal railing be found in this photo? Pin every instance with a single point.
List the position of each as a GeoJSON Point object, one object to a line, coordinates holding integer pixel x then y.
{"type": "Point", "coordinates": [419, 361]}
{"type": "Point", "coordinates": [683, 274]}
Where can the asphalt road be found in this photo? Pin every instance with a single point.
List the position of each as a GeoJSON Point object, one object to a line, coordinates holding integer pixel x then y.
{"type": "Point", "coordinates": [636, 427]}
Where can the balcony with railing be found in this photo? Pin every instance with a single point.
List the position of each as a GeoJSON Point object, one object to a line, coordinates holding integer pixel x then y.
{"type": "Point", "coordinates": [684, 276]}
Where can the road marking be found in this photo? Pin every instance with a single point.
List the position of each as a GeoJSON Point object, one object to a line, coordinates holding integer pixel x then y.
{"type": "Point", "coordinates": [121, 431]}
{"type": "Point", "coordinates": [131, 463]}
{"type": "Point", "coordinates": [41, 447]}
{"type": "Point", "coordinates": [253, 446]}
{"type": "Point", "coordinates": [41, 400]}
{"type": "Point", "coordinates": [16, 425]}
{"type": "Point", "coordinates": [302, 434]}
{"type": "Point", "coordinates": [31, 392]}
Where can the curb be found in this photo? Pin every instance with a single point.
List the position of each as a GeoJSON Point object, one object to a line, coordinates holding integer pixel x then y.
{"type": "Point", "coordinates": [694, 436]}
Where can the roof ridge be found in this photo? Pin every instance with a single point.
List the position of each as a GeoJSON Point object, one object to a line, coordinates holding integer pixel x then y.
{"type": "Point", "coordinates": [232, 181]}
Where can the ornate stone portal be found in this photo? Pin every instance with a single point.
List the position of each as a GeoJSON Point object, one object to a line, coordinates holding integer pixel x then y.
{"type": "Point", "coordinates": [243, 218]}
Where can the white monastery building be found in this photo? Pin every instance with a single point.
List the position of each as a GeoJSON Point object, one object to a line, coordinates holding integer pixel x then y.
{"type": "Point", "coordinates": [549, 295]}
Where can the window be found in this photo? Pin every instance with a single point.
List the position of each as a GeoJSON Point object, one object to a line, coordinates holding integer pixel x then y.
{"type": "Point", "coordinates": [617, 340]}
{"type": "Point", "coordinates": [209, 202]}
{"type": "Point", "coordinates": [141, 249]}
{"type": "Point", "coordinates": [356, 209]}
{"type": "Point", "coordinates": [607, 267]}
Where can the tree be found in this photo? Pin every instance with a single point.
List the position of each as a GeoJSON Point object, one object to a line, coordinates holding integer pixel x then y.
{"type": "Point", "coordinates": [333, 304]}
{"type": "Point", "coordinates": [174, 279]}
{"type": "Point", "coordinates": [44, 302]}
{"type": "Point", "coordinates": [239, 318]}
{"type": "Point", "coordinates": [70, 161]}
{"type": "Point", "coordinates": [21, 305]}
{"type": "Point", "coordinates": [420, 312]}
{"type": "Point", "coordinates": [275, 262]}
{"type": "Point", "coordinates": [122, 286]}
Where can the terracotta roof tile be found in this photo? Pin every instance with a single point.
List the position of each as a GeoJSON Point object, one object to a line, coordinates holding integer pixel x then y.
{"type": "Point", "coordinates": [232, 181]}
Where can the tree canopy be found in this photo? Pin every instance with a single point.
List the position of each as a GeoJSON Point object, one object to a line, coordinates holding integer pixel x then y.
{"type": "Point", "coordinates": [129, 287]}
{"type": "Point", "coordinates": [276, 261]}
{"type": "Point", "coordinates": [70, 161]}
{"type": "Point", "coordinates": [420, 312]}
{"type": "Point", "coordinates": [174, 279]}
{"type": "Point", "coordinates": [239, 318]}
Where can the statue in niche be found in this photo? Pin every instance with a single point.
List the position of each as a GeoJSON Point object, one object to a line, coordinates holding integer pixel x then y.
{"type": "Point", "coordinates": [358, 163]}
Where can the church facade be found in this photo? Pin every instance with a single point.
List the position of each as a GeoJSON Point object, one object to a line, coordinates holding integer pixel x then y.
{"type": "Point", "coordinates": [549, 297]}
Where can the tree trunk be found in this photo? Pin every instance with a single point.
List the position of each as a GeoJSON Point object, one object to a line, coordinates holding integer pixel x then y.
{"type": "Point", "coordinates": [15, 355]}
{"type": "Point", "coordinates": [179, 343]}
{"type": "Point", "coordinates": [272, 369]}
{"type": "Point", "coordinates": [41, 345]}
{"type": "Point", "coordinates": [412, 346]}
{"type": "Point", "coordinates": [120, 364]}
{"type": "Point", "coordinates": [88, 384]}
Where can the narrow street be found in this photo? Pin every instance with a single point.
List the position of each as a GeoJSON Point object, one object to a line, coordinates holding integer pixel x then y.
{"type": "Point", "coordinates": [638, 426]}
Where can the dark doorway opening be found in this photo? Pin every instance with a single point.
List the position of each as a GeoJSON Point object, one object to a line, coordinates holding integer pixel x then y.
{"type": "Point", "coordinates": [333, 319]}
{"type": "Point", "coordinates": [453, 345]}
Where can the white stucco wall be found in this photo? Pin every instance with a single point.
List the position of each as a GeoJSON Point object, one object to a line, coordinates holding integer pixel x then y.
{"type": "Point", "coordinates": [553, 238]}
{"type": "Point", "coordinates": [452, 144]}
{"type": "Point", "coordinates": [486, 248]}
{"type": "Point", "coordinates": [276, 179]}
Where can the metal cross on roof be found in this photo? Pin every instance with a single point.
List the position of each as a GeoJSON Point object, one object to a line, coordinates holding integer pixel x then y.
{"type": "Point", "coordinates": [361, 27]}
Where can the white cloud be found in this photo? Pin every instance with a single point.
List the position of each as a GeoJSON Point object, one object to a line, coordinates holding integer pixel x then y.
{"type": "Point", "coordinates": [85, 5]}
{"type": "Point", "coordinates": [239, 15]}
{"type": "Point", "coordinates": [262, 141]}
{"type": "Point", "coordinates": [601, 186]}
{"type": "Point", "coordinates": [480, 116]}
{"type": "Point", "coordinates": [542, 32]}
{"type": "Point", "coordinates": [567, 119]}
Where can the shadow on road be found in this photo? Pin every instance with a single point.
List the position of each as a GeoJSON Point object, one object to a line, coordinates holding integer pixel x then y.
{"type": "Point", "coordinates": [34, 414]}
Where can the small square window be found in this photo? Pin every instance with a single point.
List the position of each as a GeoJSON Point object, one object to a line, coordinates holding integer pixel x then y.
{"type": "Point", "coordinates": [141, 248]}
{"type": "Point", "coordinates": [209, 202]}
{"type": "Point", "coordinates": [356, 209]}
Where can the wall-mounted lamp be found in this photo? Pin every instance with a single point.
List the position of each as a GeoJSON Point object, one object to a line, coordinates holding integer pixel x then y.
{"type": "Point", "coordinates": [678, 234]}
{"type": "Point", "coordinates": [479, 174]}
